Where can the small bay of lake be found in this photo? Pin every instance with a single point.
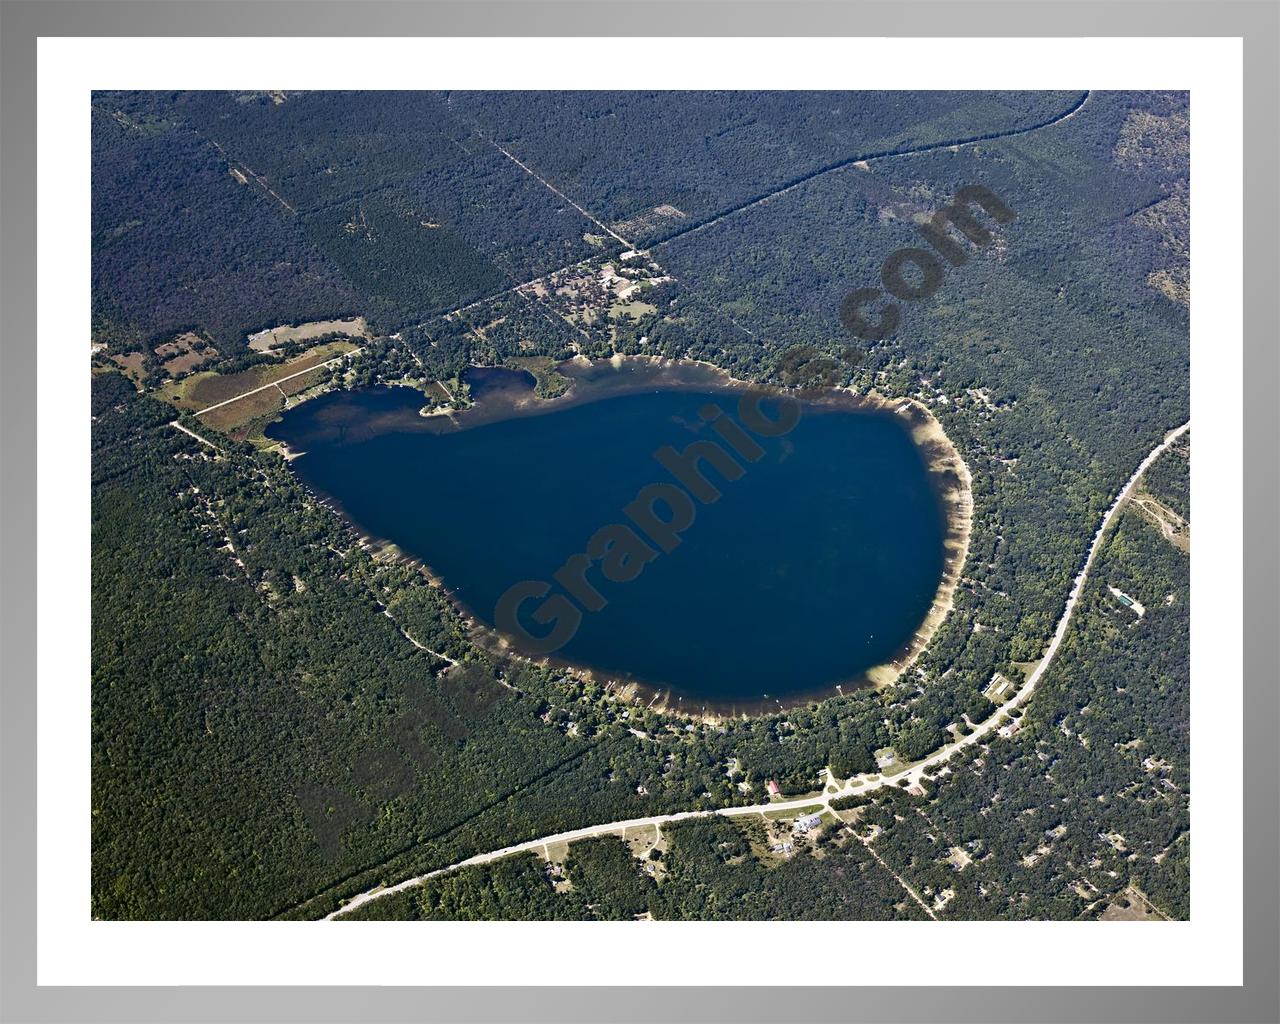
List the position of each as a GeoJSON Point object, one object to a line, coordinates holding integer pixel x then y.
{"type": "Point", "coordinates": [818, 564]}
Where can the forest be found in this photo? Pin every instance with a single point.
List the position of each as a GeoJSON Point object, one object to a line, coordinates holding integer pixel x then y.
{"type": "Point", "coordinates": [1088, 799]}
{"type": "Point", "coordinates": [271, 730]}
{"type": "Point", "coordinates": [263, 719]}
{"type": "Point", "coordinates": [178, 244]}
{"type": "Point", "coordinates": [235, 211]}
{"type": "Point", "coordinates": [653, 170]}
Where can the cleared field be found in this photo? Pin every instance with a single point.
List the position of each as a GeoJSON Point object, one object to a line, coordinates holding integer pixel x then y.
{"type": "Point", "coordinates": [231, 418]}
{"type": "Point", "coordinates": [132, 365]}
{"type": "Point", "coordinates": [183, 354]}
{"type": "Point", "coordinates": [299, 384]}
{"type": "Point", "coordinates": [202, 390]}
{"type": "Point", "coordinates": [274, 337]}
{"type": "Point", "coordinates": [635, 310]}
{"type": "Point", "coordinates": [803, 812]}
{"type": "Point", "coordinates": [1131, 905]}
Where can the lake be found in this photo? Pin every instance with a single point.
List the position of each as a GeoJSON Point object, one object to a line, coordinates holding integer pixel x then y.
{"type": "Point", "coordinates": [819, 562]}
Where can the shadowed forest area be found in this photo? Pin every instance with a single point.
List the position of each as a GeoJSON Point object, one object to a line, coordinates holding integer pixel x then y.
{"type": "Point", "coordinates": [285, 714]}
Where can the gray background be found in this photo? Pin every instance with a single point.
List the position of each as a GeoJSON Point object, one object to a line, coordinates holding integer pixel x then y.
{"type": "Point", "coordinates": [1257, 22]}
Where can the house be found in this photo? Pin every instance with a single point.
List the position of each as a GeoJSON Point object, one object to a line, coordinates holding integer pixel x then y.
{"type": "Point", "coordinates": [807, 823]}
{"type": "Point", "coordinates": [996, 688]}
{"type": "Point", "coordinates": [773, 788]}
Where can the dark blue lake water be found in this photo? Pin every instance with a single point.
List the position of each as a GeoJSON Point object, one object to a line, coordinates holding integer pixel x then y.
{"type": "Point", "coordinates": [817, 564]}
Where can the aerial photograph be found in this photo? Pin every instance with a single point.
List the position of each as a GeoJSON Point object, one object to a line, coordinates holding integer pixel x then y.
{"type": "Point", "coordinates": [619, 505]}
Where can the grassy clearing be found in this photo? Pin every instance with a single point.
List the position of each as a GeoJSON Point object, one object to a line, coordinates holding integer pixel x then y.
{"type": "Point", "coordinates": [635, 310]}
{"type": "Point", "coordinates": [297, 385]}
{"type": "Point", "coordinates": [231, 419]}
{"type": "Point", "coordinates": [251, 403]}
{"type": "Point", "coordinates": [201, 390]}
{"type": "Point", "coordinates": [1131, 905]}
{"type": "Point", "coordinates": [267, 341]}
{"type": "Point", "coordinates": [811, 809]}
{"type": "Point", "coordinates": [548, 382]}
{"type": "Point", "coordinates": [643, 839]}
{"type": "Point", "coordinates": [557, 853]}
{"type": "Point", "coordinates": [132, 366]}
{"type": "Point", "coordinates": [184, 353]}
{"type": "Point", "coordinates": [184, 363]}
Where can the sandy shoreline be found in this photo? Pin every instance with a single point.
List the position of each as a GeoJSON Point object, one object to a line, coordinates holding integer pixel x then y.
{"type": "Point", "coordinates": [948, 473]}
{"type": "Point", "coordinates": [953, 486]}
{"type": "Point", "coordinates": [955, 492]}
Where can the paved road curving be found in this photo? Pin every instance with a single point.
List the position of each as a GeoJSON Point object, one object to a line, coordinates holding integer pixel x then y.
{"type": "Point", "coordinates": [857, 785]}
